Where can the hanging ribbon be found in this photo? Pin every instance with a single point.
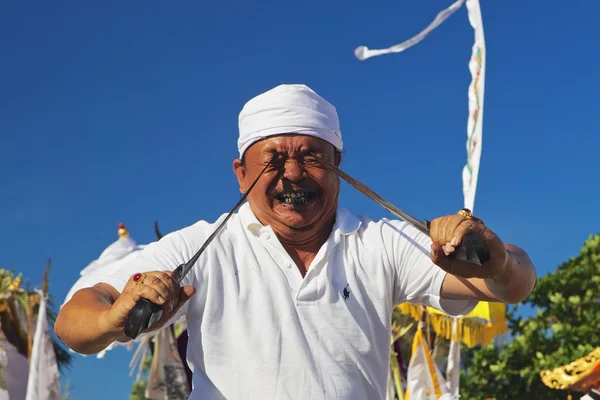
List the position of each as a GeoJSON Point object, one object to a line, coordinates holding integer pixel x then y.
{"type": "Point", "coordinates": [363, 52]}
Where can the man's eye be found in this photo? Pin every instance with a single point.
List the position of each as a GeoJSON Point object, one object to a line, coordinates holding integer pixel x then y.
{"type": "Point", "coordinates": [311, 158]}
{"type": "Point", "coordinates": [276, 162]}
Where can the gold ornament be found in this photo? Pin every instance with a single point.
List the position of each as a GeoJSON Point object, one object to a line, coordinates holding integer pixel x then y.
{"type": "Point", "coordinates": [123, 232]}
{"type": "Point", "coordinates": [465, 212]}
{"type": "Point", "coordinates": [570, 375]}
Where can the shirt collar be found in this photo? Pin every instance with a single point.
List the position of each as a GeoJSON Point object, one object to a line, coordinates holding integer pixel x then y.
{"type": "Point", "coordinates": [346, 223]}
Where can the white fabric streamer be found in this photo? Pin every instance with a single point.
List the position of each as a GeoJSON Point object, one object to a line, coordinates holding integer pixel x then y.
{"type": "Point", "coordinates": [476, 94]}
{"type": "Point", "coordinates": [363, 52]}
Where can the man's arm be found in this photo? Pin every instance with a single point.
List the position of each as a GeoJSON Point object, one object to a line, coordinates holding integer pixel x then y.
{"type": "Point", "coordinates": [517, 282]}
{"type": "Point", "coordinates": [95, 317]}
{"type": "Point", "coordinates": [81, 323]}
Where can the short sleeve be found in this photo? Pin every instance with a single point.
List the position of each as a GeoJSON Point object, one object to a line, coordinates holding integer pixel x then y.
{"type": "Point", "coordinates": [417, 279]}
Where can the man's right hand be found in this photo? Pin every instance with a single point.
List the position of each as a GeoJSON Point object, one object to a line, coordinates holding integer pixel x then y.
{"type": "Point", "coordinates": [159, 287]}
{"type": "Point", "coordinates": [95, 317]}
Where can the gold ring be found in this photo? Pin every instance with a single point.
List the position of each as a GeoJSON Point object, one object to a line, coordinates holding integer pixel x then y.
{"type": "Point", "coordinates": [465, 212]}
{"type": "Point", "coordinates": [138, 278]}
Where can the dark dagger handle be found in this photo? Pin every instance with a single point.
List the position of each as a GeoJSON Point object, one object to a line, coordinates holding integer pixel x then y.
{"type": "Point", "coordinates": [141, 317]}
{"type": "Point", "coordinates": [471, 249]}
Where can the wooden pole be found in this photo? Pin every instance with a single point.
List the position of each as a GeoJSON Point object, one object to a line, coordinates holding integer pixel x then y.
{"type": "Point", "coordinates": [157, 231]}
{"type": "Point", "coordinates": [45, 277]}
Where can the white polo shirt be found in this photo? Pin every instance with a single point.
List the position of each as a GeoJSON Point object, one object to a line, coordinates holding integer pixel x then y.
{"type": "Point", "coordinates": [259, 330]}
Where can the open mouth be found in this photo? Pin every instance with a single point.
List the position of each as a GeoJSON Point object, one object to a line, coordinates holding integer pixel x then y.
{"type": "Point", "coordinates": [295, 198]}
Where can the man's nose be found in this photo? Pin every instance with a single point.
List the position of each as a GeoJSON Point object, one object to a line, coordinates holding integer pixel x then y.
{"type": "Point", "coordinates": [293, 170]}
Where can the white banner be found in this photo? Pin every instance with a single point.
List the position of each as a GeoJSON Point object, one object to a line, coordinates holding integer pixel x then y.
{"type": "Point", "coordinates": [167, 379]}
{"type": "Point", "coordinates": [363, 52]}
{"type": "Point", "coordinates": [44, 379]}
{"type": "Point", "coordinates": [424, 380]}
{"type": "Point", "coordinates": [476, 94]}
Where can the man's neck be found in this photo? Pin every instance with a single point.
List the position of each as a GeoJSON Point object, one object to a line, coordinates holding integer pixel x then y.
{"type": "Point", "coordinates": [303, 246]}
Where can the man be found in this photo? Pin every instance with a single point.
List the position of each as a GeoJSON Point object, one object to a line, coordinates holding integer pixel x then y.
{"type": "Point", "coordinates": [293, 299]}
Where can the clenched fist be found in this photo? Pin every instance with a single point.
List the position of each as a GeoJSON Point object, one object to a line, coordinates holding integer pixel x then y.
{"type": "Point", "coordinates": [447, 233]}
{"type": "Point", "coordinates": [159, 287]}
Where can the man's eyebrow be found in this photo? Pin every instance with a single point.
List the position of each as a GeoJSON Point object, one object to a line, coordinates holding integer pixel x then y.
{"type": "Point", "coordinates": [303, 151]}
{"type": "Point", "coordinates": [274, 152]}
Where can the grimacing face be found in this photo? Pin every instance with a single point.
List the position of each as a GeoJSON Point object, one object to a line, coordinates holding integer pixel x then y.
{"type": "Point", "coordinates": [295, 193]}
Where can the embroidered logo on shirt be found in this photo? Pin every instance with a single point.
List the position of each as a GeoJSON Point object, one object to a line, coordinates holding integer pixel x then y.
{"type": "Point", "coordinates": [346, 293]}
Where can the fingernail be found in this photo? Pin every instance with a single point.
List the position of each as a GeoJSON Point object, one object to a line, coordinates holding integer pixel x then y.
{"type": "Point", "coordinates": [454, 241]}
{"type": "Point", "coordinates": [161, 300]}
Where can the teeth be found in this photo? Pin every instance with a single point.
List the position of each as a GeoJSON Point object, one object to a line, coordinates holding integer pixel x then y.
{"type": "Point", "coordinates": [295, 198]}
{"type": "Point", "coordinates": [295, 195]}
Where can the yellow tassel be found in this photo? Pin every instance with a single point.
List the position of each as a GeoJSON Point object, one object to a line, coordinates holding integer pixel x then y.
{"type": "Point", "coordinates": [479, 327]}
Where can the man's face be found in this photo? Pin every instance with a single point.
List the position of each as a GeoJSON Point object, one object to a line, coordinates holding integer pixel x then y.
{"type": "Point", "coordinates": [295, 192]}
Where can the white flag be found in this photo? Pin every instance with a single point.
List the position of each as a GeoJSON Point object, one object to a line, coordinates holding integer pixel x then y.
{"type": "Point", "coordinates": [476, 94]}
{"type": "Point", "coordinates": [44, 379]}
{"type": "Point", "coordinates": [167, 378]}
{"type": "Point", "coordinates": [424, 380]}
{"type": "Point", "coordinates": [363, 52]}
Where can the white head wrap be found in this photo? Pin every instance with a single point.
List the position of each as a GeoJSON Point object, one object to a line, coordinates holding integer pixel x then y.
{"type": "Point", "coordinates": [288, 109]}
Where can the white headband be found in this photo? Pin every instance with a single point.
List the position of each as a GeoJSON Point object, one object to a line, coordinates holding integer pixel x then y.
{"type": "Point", "coordinates": [288, 109]}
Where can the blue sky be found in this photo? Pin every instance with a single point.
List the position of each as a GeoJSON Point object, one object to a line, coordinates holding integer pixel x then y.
{"type": "Point", "coordinates": [127, 111]}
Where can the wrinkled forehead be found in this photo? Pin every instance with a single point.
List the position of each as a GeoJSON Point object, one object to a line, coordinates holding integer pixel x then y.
{"type": "Point", "coordinates": [289, 145]}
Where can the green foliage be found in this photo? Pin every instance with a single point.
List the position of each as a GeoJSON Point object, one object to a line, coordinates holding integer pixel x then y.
{"type": "Point", "coordinates": [139, 388]}
{"type": "Point", "coordinates": [563, 327]}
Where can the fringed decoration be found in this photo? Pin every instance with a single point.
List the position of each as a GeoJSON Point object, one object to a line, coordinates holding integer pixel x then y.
{"type": "Point", "coordinates": [472, 331]}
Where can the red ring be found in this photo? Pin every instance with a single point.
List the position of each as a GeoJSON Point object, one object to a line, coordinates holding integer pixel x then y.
{"type": "Point", "coordinates": [137, 277]}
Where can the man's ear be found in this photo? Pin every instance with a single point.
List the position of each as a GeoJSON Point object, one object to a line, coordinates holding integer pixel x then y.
{"type": "Point", "coordinates": [337, 157]}
{"type": "Point", "coordinates": [241, 173]}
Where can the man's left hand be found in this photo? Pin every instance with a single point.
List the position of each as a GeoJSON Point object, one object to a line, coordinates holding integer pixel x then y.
{"type": "Point", "coordinates": [446, 234]}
